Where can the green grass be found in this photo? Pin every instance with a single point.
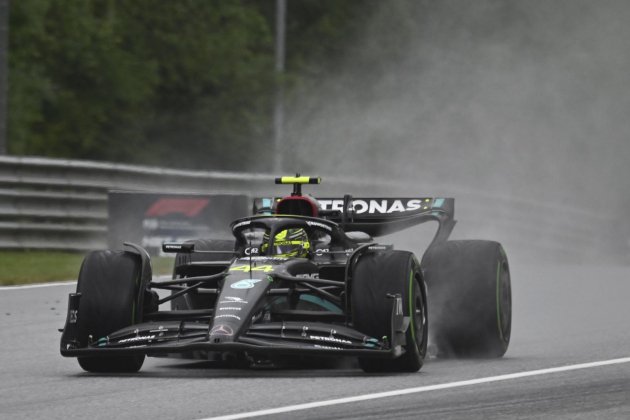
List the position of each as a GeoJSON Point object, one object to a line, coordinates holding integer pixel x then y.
{"type": "Point", "coordinates": [23, 267]}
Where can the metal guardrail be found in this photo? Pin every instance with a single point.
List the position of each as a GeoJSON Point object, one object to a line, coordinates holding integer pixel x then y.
{"type": "Point", "coordinates": [62, 204]}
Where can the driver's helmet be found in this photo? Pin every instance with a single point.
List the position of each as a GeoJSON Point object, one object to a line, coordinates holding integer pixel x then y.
{"type": "Point", "coordinates": [288, 243]}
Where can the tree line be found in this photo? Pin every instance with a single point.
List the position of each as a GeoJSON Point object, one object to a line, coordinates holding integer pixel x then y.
{"type": "Point", "coordinates": [186, 83]}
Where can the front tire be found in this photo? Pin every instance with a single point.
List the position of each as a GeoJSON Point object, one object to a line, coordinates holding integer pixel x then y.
{"type": "Point", "coordinates": [375, 276]}
{"type": "Point", "coordinates": [470, 303]}
{"type": "Point", "coordinates": [108, 283]}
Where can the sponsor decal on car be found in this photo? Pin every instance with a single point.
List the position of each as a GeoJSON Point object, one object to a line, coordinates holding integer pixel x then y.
{"type": "Point", "coordinates": [172, 247]}
{"type": "Point", "coordinates": [319, 346]}
{"type": "Point", "coordinates": [245, 223]}
{"type": "Point", "coordinates": [230, 308]}
{"type": "Point", "coordinates": [379, 206]}
{"type": "Point", "coordinates": [245, 284]}
{"type": "Point", "coordinates": [221, 330]}
{"type": "Point", "coordinates": [252, 251]}
{"type": "Point", "coordinates": [138, 338]}
{"type": "Point", "coordinates": [228, 316]}
{"type": "Point", "coordinates": [379, 247]}
{"type": "Point", "coordinates": [329, 339]}
{"type": "Point", "coordinates": [232, 299]}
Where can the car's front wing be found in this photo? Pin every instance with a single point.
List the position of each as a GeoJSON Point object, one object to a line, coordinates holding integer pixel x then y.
{"type": "Point", "coordinates": [158, 338]}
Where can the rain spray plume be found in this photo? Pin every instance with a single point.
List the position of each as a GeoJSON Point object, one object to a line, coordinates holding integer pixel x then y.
{"type": "Point", "coordinates": [524, 101]}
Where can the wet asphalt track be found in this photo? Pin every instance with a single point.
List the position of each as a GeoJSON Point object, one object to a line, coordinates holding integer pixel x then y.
{"type": "Point", "coordinates": [563, 315]}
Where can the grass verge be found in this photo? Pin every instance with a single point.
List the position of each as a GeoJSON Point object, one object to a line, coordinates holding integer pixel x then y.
{"type": "Point", "coordinates": [25, 267]}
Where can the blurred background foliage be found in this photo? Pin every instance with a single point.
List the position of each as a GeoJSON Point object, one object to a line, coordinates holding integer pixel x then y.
{"type": "Point", "coordinates": [187, 83]}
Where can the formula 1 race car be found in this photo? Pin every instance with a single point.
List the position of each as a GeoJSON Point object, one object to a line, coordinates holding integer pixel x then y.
{"type": "Point", "coordinates": [302, 277]}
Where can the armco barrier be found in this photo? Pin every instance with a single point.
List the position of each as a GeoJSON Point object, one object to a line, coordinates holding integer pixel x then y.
{"type": "Point", "coordinates": [62, 204]}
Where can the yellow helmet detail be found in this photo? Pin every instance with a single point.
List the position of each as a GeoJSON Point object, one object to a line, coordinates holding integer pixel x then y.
{"type": "Point", "coordinates": [288, 243]}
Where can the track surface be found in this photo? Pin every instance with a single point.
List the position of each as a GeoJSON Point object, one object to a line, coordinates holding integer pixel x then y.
{"type": "Point", "coordinates": [563, 315]}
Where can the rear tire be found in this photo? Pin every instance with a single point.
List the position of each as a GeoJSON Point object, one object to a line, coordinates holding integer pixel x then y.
{"type": "Point", "coordinates": [375, 276]}
{"type": "Point", "coordinates": [108, 283]}
{"type": "Point", "coordinates": [469, 293]}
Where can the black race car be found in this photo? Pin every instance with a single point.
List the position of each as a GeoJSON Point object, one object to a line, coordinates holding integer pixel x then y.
{"type": "Point", "coordinates": [301, 277]}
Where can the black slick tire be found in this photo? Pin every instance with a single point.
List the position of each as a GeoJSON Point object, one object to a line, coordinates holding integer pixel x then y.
{"type": "Point", "coordinates": [108, 283]}
{"type": "Point", "coordinates": [469, 295]}
{"type": "Point", "coordinates": [375, 276]}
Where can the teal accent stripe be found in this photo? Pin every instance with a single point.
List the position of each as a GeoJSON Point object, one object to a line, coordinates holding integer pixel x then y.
{"type": "Point", "coordinates": [438, 202]}
{"type": "Point", "coordinates": [321, 302]}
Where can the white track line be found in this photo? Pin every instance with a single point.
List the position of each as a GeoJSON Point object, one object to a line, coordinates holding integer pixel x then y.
{"type": "Point", "coordinates": [406, 391]}
{"type": "Point", "coordinates": [38, 285]}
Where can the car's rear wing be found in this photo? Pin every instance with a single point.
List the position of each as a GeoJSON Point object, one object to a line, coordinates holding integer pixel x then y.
{"type": "Point", "coordinates": [380, 216]}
